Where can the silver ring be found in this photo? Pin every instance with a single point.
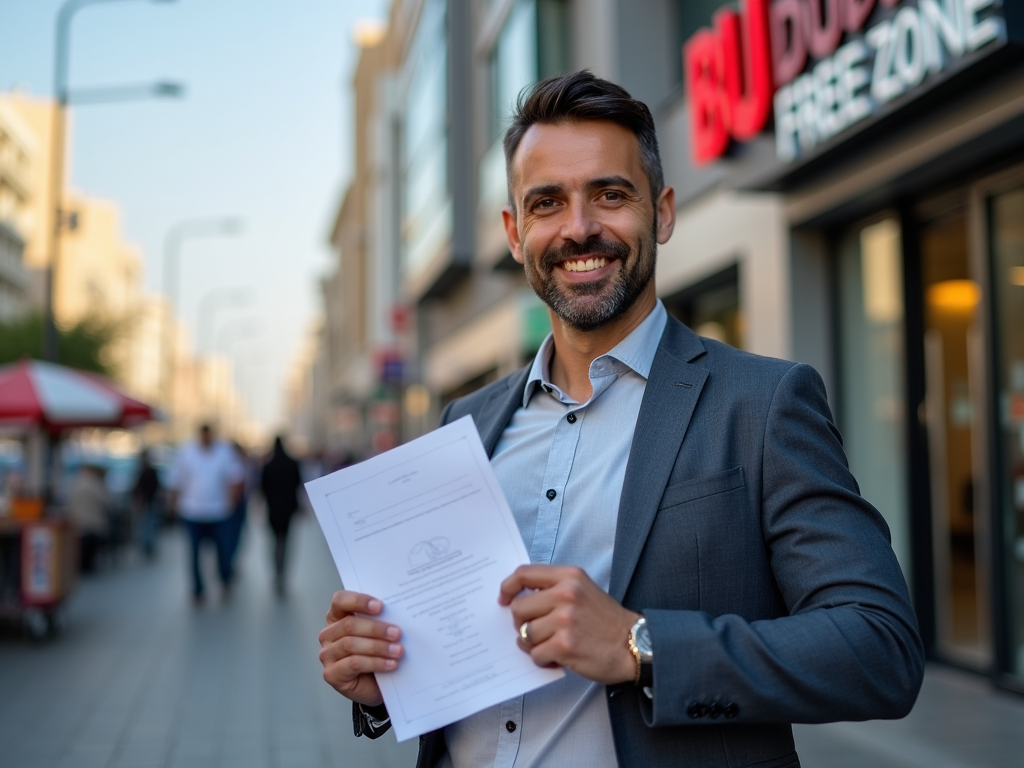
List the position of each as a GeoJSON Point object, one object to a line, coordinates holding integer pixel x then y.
{"type": "Point", "coordinates": [524, 632]}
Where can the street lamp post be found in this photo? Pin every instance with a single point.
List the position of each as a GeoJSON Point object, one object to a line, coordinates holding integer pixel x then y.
{"type": "Point", "coordinates": [215, 301]}
{"type": "Point", "coordinates": [63, 98]}
{"type": "Point", "coordinates": [176, 235]}
{"type": "Point", "coordinates": [239, 330]}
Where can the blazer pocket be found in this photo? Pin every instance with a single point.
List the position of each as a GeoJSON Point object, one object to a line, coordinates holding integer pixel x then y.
{"type": "Point", "coordinates": [702, 487]}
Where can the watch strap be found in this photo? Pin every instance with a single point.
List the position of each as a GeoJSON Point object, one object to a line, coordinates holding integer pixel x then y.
{"type": "Point", "coordinates": [371, 722]}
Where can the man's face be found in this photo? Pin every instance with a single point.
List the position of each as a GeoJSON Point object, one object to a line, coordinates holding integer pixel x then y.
{"type": "Point", "coordinates": [585, 227]}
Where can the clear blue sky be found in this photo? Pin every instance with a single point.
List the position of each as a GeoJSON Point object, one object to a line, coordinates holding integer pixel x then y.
{"type": "Point", "coordinates": [263, 133]}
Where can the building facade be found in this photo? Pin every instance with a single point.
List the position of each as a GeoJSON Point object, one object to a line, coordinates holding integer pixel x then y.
{"type": "Point", "coordinates": [17, 150]}
{"type": "Point", "coordinates": [849, 180]}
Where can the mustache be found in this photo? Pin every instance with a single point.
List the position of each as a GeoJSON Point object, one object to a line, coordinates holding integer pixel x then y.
{"type": "Point", "coordinates": [573, 250]}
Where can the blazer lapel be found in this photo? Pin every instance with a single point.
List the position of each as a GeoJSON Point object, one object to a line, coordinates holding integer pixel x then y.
{"type": "Point", "coordinates": [669, 399]}
{"type": "Point", "coordinates": [496, 412]}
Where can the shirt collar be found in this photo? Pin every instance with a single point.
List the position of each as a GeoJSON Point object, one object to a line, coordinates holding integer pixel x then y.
{"type": "Point", "coordinates": [636, 351]}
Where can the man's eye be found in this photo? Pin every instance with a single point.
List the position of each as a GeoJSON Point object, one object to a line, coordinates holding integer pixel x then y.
{"type": "Point", "coordinates": [612, 196]}
{"type": "Point", "coordinates": [545, 202]}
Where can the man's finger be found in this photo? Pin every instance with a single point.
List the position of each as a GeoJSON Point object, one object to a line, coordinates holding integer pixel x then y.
{"type": "Point", "coordinates": [345, 602]}
{"type": "Point", "coordinates": [530, 606]}
{"type": "Point", "coordinates": [529, 577]}
{"type": "Point", "coordinates": [343, 673]}
{"type": "Point", "coordinates": [359, 626]}
{"type": "Point", "coordinates": [539, 630]}
{"type": "Point", "coordinates": [359, 646]}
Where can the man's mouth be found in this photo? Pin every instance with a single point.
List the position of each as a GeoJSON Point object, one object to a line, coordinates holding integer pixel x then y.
{"type": "Point", "coordinates": [585, 265]}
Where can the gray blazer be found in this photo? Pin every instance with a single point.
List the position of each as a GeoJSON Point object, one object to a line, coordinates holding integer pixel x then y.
{"type": "Point", "coordinates": [769, 585]}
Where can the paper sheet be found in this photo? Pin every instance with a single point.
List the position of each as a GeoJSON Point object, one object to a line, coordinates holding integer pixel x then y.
{"type": "Point", "coordinates": [426, 529]}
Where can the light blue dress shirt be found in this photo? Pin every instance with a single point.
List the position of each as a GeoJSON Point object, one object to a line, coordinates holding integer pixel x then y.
{"type": "Point", "coordinates": [561, 465]}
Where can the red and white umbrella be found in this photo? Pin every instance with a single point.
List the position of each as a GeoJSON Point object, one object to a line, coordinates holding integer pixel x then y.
{"type": "Point", "coordinates": [55, 397]}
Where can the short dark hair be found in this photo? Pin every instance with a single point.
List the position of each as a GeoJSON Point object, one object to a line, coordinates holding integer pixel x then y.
{"type": "Point", "coordinates": [577, 97]}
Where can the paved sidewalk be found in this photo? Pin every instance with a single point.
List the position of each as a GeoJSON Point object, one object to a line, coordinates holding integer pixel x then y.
{"type": "Point", "coordinates": [959, 721]}
{"type": "Point", "coordinates": [141, 679]}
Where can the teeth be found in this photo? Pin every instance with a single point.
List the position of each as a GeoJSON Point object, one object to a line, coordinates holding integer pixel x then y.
{"type": "Point", "coordinates": [584, 265]}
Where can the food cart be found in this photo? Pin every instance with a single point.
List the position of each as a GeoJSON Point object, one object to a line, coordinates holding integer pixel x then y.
{"type": "Point", "coordinates": [40, 402]}
{"type": "Point", "coordinates": [38, 569]}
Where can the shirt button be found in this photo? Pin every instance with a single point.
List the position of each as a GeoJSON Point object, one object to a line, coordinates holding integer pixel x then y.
{"type": "Point", "coordinates": [571, 418]}
{"type": "Point", "coordinates": [510, 726]}
{"type": "Point", "coordinates": [551, 494]}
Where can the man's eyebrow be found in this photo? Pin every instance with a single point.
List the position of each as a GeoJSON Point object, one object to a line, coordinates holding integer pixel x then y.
{"type": "Point", "coordinates": [541, 191]}
{"type": "Point", "coordinates": [614, 181]}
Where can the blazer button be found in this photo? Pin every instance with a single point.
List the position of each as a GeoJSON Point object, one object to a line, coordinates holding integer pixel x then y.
{"type": "Point", "coordinates": [731, 710]}
{"type": "Point", "coordinates": [551, 494]}
{"type": "Point", "coordinates": [715, 710]}
{"type": "Point", "coordinates": [695, 711]}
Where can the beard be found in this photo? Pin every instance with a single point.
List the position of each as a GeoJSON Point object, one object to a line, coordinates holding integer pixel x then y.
{"type": "Point", "coordinates": [588, 306]}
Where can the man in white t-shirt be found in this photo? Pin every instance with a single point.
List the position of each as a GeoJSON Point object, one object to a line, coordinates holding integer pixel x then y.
{"type": "Point", "coordinates": [206, 485]}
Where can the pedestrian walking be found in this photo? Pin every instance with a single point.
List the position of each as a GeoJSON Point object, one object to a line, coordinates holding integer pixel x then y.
{"type": "Point", "coordinates": [279, 481]}
{"type": "Point", "coordinates": [147, 507]}
{"type": "Point", "coordinates": [89, 510]}
{"type": "Point", "coordinates": [206, 486]}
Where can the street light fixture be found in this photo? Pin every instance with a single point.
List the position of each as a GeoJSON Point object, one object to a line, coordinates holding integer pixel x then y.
{"type": "Point", "coordinates": [224, 226]}
{"type": "Point", "coordinates": [159, 90]}
{"type": "Point", "coordinates": [63, 97]}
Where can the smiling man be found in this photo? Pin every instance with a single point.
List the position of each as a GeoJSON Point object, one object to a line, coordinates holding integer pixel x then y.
{"type": "Point", "coordinates": [702, 564]}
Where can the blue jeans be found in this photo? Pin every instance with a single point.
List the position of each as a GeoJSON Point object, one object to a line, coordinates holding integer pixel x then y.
{"type": "Point", "coordinates": [219, 531]}
{"type": "Point", "coordinates": [149, 527]}
{"type": "Point", "coordinates": [237, 522]}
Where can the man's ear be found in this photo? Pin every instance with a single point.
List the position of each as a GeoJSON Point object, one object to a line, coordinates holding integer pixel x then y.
{"type": "Point", "coordinates": [508, 218]}
{"type": "Point", "coordinates": [666, 213]}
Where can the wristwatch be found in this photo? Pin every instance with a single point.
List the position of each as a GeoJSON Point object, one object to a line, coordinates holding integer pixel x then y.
{"type": "Point", "coordinates": [640, 647]}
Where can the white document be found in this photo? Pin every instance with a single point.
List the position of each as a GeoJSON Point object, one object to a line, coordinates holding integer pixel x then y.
{"type": "Point", "coordinates": [426, 529]}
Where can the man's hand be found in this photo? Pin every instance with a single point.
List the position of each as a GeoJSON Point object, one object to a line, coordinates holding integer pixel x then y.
{"type": "Point", "coordinates": [353, 647]}
{"type": "Point", "coordinates": [573, 623]}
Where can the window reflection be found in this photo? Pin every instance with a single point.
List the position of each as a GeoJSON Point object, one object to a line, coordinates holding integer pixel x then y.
{"type": "Point", "coordinates": [533, 44]}
{"type": "Point", "coordinates": [1008, 279]}
{"type": "Point", "coordinates": [427, 212]}
{"type": "Point", "coordinates": [872, 371]}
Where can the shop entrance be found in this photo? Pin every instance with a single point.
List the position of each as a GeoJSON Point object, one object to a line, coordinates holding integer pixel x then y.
{"type": "Point", "coordinates": [911, 365]}
{"type": "Point", "coordinates": [953, 416]}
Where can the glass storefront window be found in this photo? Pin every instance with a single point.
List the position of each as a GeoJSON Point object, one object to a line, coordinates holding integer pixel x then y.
{"type": "Point", "coordinates": [513, 63]}
{"type": "Point", "coordinates": [953, 352]}
{"type": "Point", "coordinates": [711, 308]}
{"type": "Point", "coordinates": [1007, 237]}
{"type": "Point", "coordinates": [427, 210]}
{"type": "Point", "coordinates": [533, 44]}
{"type": "Point", "coordinates": [871, 412]}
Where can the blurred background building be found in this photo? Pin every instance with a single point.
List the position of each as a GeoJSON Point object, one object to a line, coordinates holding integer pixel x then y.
{"type": "Point", "coordinates": [849, 179]}
{"type": "Point", "coordinates": [100, 282]}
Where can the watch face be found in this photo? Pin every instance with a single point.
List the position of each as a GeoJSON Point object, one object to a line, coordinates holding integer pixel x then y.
{"type": "Point", "coordinates": [643, 643]}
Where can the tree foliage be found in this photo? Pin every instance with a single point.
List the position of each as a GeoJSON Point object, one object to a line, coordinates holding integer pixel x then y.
{"type": "Point", "coordinates": [84, 345]}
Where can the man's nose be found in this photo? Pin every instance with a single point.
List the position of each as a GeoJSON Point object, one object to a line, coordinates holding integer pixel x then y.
{"type": "Point", "coordinates": [580, 223]}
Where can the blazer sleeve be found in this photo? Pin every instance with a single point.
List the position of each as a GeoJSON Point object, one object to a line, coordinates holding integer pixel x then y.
{"type": "Point", "coordinates": [848, 648]}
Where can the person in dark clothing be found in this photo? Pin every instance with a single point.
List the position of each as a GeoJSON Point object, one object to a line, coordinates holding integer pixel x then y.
{"type": "Point", "coordinates": [144, 494]}
{"type": "Point", "coordinates": [236, 523]}
{"type": "Point", "coordinates": [280, 481]}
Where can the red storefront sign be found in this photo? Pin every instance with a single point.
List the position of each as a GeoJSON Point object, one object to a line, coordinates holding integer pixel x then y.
{"type": "Point", "coordinates": [789, 57]}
